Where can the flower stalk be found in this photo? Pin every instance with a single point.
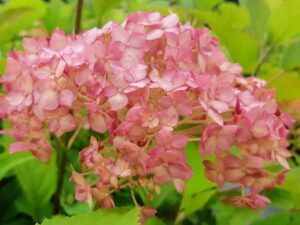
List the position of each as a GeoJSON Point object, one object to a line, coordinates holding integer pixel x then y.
{"type": "Point", "coordinates": [61, 162]}
{"type": "Point", "coordinates": [77, 27]}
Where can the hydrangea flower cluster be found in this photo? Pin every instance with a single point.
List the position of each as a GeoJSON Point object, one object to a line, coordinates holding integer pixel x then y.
{"type": "Point", "coordinates": [153, 85]}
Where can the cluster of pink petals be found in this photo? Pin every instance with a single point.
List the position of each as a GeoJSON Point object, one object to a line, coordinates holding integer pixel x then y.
{"type": "Point", "coordinates": [152, 84]}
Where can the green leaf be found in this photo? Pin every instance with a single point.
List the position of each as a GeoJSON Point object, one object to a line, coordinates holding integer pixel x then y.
{"type": "Point", "coordinates": [286, 218]}
{"type": "Point", "coordinates": [198, 189]}
{"type": "Point", "coordinates": [291, 56]}
{"type": "Point", "coordinates": [229, 215]}
{"type": "Point", "coordinates": [17, 15]}
{"type": "Point", "coordinates": [196, 201]}
{"type": "Point", "coordinates": [154, 221]}
{"type": "Point", "coordinates": [158, 4]}
{"type": "Point", "coordinates": [33, 4]}
{"type": "Point", "coordinates": [167, 191]}
{"type": "Point", "coordinates": [76, 207]}
{"type": "Point", "coordinates": [186, 3]}
{"type": "Point", "coordinates": [9, 192]}
{"type": "Point", "coordinates": [259, 13]}
{"type": "Point", "coordinates": [59, 14]}
{"type": "Point", "coordinates": [11, 22]}
{"type": "Point", "coordinates": [207, 4]}
{"type": "Point", "coordinates": [10, 161]}
{"type": "Point", "coordinates": [38, 182]}
{"type": "Point", "coordinates": [286, 85]}
{"type": "Point", "coordinates": [2, 65]}
{"type": "Point", "coordinates": [19, 221]}
{"type": "Point", "coordinates": [118, 216]}
{"type": "Point", "coordinates": [280, 198]}
{"type": "Point", "coordinates": [233, 150]}
{"type": "Point", "coordinates": [6, 140]}
{"type": "Point", "coordinates": [242, 48]}
{"type": "Point", "coordinates": [116, 15]}
{"type": "Point", "coordinates": [101, 7]}
{"type": "Point", "coordinates": [236, 17]}
{"type": "Point", "coordinates": [284, 19]}
{"type": "Point", "coordinates": [135, 5]}
{"type": "Point", "coordinates": [291, 183]}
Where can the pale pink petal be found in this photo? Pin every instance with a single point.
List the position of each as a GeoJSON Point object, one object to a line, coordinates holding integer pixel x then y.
{"type": "Point", "coordinates": [91, 35]}
{"type": "Point", "coordinates": [97, 122]}
{"type": "Point", "coordinates": [170, 21]}
{"type": "Point", "coordinates": [66, 97]}
{"type": "Point", "coordinates": [282, 161]}
{"type": "Point", "coordinates": [82, 75]}
{"type": "Point", "coordinates": [179, 185]}
{"type": "Point", "coordinates": [119, 33]}
{"type": "Point", "coordinates": [260, 129]}
{"type": "Point", "coordinates": [215, 117]}
{"type": "Point", "coordinates": [53, 125]}
{"type": "Point", "coordinates": [219, 106]}
{"type": "Point", "coordinates": [67, 123]}
{"type": "Point", "coordinates": [179, 141]}
{"type": "Point", "coordinates": [154, 34]}
{"type": "Point", "coordinates": [43, 72]}
{"type": "Point", "coordinates": [118, 101]}
{"type": "Point", "coordinates": [15, 98]}
{"type": "Point", "coordinates": [49, 100]}
{"type": "Point", "coordinates": [60, 68]}
{"type": "Point", "coordinates": [58, 39]}
{"type": "Point", "coordinates": [139, 72]}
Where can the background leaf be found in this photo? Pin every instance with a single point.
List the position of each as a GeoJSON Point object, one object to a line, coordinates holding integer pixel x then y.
{"type": "Point", "coordinates": [38, 183]}
{"type": "Point", "coordinates": [2, 64]}
{"type": "Point", "coordinates": [101, 7]}
{"type": "Point", "coordinates": [10, 161]}
{"type": "Point", "coordinates": [17, 15]}
{"type": "Point", "coordinates": [284, 19]}
{"type": "Point", "coordinates": [59, 14]}
{"type": "Point", "coordinates": [206, 4]}
{"type": "Point", "coordinates": [229, 215]}
{"type": "Point", "coordinates": [120, 216]}
{"type": "Point", "coordinates": [280, 198]}
{"type": "Point", "coordinates": [198, 189]}
{"type": "Point", "coordinates": [286, 81]}
{"type": "Point", "coordinates": [291, 56]}
{"type": "Point", "coordinates": [291, 183]}
{"type": "Point", "coordinates": [259, 13]}
{"type": "Point", "coordinates": [286, 218]}
{"type": "Point", "coordinates": [154, 221]}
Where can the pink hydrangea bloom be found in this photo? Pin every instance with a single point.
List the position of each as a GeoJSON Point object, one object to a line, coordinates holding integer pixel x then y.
{"type": "Point", "coordinates": [142, 82]}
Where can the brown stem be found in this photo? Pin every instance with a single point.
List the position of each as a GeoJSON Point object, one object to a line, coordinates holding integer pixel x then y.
{"type": "Point", "coordinates": [78, 16]}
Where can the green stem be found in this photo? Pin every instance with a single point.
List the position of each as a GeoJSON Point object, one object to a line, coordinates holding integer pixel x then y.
{"type": "Point", "coordinates": [276, 77]}
{"type": "Point", "coordinates": [263, 58]}
{"type": "Point", "coordinates": [133, 197]}
{"type": "Point", "coordinates": [272, 46]}
{"type": "Point", "coordinates": [62, 153]}
{"type": "Point", "coordinates": [61, 161]}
